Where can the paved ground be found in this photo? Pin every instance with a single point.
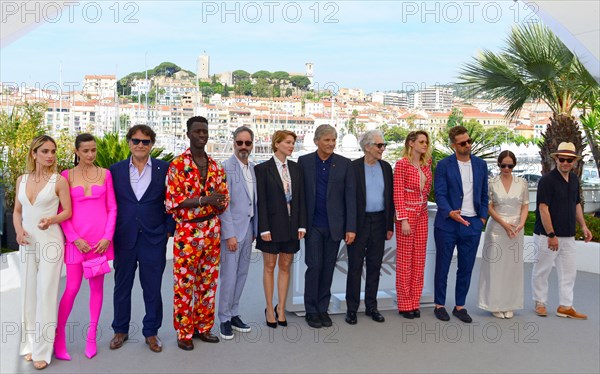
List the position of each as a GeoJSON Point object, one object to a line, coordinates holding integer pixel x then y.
{"type": "Point", "coordinates": [526, 343]}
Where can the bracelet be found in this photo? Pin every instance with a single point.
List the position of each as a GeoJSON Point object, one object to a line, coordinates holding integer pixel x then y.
{"type": "Point", "coordinates": [200, 201]}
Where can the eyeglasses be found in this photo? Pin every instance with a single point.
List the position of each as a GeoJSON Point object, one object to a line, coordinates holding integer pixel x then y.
{"type": "Point", "coordinates": [567, 160]}
{"type": "Point", "coordinates": [137, 141]}
{"type": "Point", "coordinates": [504, 166]}
{"type": "Point", "coordinates": [464, 144]}
{"type": "Point", "coordinates": [239, 143]}
{"type": "Point", "coordinates": [380, 145]}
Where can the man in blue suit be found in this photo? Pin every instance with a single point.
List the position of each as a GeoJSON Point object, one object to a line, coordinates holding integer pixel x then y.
{"type": "Point", "coordinates": [330, 193]}
{"type": "Point", "coordinates": [461, 194]}
{"type": "Point", "coordinates": [238, 231]}
{"type": "Point", "coordinates": [141, 235]}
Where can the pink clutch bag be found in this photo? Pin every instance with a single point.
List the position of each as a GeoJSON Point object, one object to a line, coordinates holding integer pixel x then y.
{"type": "Point", "coordinates": [94, 267]}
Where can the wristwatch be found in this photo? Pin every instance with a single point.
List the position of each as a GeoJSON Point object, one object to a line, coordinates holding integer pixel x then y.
{"type": "Point", "coordinates": [551, 235]}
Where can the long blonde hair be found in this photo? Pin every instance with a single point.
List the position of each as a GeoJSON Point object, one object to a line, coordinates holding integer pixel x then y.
{"type": "Point", "coordinates": [36, 143]}
{"type": "Point", "coordinates": [412, 137]}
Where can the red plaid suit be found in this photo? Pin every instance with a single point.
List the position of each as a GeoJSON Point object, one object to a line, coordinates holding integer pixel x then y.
{"type": "Point", "coordinates": [410, 202]}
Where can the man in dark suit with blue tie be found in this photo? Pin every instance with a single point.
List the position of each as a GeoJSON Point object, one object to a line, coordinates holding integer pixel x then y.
{"type": "Point", "coordinates": [141, 235]}
{"type": "Point", "coordinates": [330, 194]}
{"type": "Point", "coordinates": [461, 194]}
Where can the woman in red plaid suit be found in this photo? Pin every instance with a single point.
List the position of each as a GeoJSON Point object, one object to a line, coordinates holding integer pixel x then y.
{"type": "Point", "coordinates": [412, 183]}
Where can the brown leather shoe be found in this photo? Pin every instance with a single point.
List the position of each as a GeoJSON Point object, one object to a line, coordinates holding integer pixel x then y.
{"type": "Point", "coordinates": [206, 336]}
{"type": "Point", "coordinates": [185, 344]}
{"type": "Point", "coordinates": [118, 340]}
{"type": "Point", "coordinates": [540, 309]}
{"type": "Point", "coordinates": [569, 313]}
{"type": "Point", "coordinates": [154, 343]}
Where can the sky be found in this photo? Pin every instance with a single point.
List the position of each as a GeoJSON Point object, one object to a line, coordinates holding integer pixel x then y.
{"type": "Point", "coordinates": [372, 45]}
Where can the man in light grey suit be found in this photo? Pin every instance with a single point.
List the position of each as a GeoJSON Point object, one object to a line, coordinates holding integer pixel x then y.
{"type": "Point", "coordinates": [238, 231]}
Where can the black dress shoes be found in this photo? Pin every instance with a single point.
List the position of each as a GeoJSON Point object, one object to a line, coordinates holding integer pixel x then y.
{"type": "Point", "coordinates": [351, 318]}
{"type": "Point", "coordinates": [441, 314]}
{"type": "Point", "coordinates": [325, 320]}
{"type": "Point", "coordinates": [462, 315]}
{"type": "Point", "coordinates": [313, 320]}
{"type": "Point", "coordinates": [408, 315]}
{"type": "Point", "coordinates": [417, 313]}
{"type": "Point", "coordinates": [185, 344]}
{"type": "Point", "coordinates": [375, 315]}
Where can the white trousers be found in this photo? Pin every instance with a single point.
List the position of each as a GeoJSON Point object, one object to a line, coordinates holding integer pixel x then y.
{"type": "Point", "coordinates": [566, 269]}
{"type": "Point", "coordinates": [40, 277]}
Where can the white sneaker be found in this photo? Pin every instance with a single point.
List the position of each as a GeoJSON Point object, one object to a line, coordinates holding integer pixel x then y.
{"type": "Point", "coordinates": [508, 314]}
{"type": "Point", "coordinates": [498, 315]}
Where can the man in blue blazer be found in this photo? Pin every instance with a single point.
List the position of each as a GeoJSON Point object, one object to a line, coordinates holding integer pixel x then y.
{"type": "Point", "coordinates": [461, 194]}
{"type": "Point", "coordinates": [141, 235]}
{"type": "Point", "coordinates": [330, 194]}
{"type": "Point", "coordinates": [238, 231]}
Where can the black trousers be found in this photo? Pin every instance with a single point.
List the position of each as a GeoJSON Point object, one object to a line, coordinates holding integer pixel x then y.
{"type": "Point", "coordinates": [321, 256]}
{"type": "Point", "coordinates": [368, 245]}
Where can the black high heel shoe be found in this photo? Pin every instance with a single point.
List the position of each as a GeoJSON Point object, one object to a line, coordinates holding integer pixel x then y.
{"type": "Point", "coordinates": [280, 323]}
{"type": "Point", "coordinates": [272, 325]}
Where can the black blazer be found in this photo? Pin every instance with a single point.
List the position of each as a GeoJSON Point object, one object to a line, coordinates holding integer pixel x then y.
{"type": "Point", "coordinates": [272, 207]}
{"type": "Point", "coordinates": [361, 193]}
{"type": "Point", "coordinates": [147, 217]}
{"type": "Point", "coordinates": [341, 194]}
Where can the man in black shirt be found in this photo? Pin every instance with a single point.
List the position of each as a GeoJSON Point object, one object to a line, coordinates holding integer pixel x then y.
{"type": "Point", "coordinates": [558, 208]}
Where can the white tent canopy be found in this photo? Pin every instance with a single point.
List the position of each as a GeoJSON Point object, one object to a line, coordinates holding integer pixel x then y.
{"type": "Point", "coordinates": [577, 24]}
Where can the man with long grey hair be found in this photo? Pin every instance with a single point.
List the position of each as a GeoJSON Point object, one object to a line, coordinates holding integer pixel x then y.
{"type": "Point", "coordinates": [330, 193]}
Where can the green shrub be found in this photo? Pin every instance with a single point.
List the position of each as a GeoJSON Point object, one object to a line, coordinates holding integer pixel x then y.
{"type": "Point", "coordinates": [593, 223]}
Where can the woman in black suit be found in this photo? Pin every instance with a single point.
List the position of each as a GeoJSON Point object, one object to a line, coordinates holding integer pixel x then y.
{"type": "Point", "coordinates": [281, 220]}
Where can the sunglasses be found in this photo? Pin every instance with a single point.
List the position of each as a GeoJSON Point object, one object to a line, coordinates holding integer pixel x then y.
{"type": "Point", "coordinates": [567, 160]}
{"type": "Point", "coordinates": [504, 166]}
{"type": "Point", "coordinates": [380, 145]}
{"type": "Point", "coordinates": [464, 144]}
{"type": "Point", "coordinates": [137, 141]}
{"type": "Point", "coordinates": [239, 143]}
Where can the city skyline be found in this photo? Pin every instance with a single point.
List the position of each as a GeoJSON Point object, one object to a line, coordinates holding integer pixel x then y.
{"type": "Point", "coordinates": [375, 46]}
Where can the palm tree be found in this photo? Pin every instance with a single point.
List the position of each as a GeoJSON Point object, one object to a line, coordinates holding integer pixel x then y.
{"type": "Point", "coordinates": [535, 65]}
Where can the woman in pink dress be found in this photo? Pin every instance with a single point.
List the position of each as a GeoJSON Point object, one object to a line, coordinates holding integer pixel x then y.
{"type": "Point", "coordinates": [89, 234]}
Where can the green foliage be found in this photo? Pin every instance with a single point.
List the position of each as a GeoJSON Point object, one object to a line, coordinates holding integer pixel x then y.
{"type": "Point", "coordinates": [593, 224]}
{"type": "Point", "coordinates": [395, 134]}
{"type": "Point", "coordinates": [300, 81]}
{"type": "Point", "coordinates": [455, 118]}
{"type": "Point", "coordinates": [280, 76]}
{"type": "Point", "coordinates": [262, 74]}
{"type": "Point", "coordinates": [163, 69]}
{"type": "Point", "coordinates": [534, 64]}
{"type": "Point", "coordinates": [17, 129]}
{"type": "Point", "coordinates": [261, 88]}
{"type": "Point", "coordinates": [529, 224]}
{"type": "Point", "coordinates": [240, 75]}
{"type": "Point", "coordinates": [112, 149]}
{"type": "Point", "coordinates": [64, 153]}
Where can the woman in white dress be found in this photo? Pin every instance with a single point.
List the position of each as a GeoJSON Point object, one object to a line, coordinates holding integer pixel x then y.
{"type": "Point", "coordinates": [501, 278]}
{"type": "Point", "coordinates": [41, 243]}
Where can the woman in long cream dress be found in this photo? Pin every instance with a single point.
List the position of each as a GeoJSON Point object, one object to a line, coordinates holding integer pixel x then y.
{"type": "Point", "coordinates": [36, 219]}
{"type": "Point", "coordinates": [501, 278]}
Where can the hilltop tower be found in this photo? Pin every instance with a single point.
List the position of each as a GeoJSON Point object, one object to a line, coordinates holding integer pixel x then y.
{"type": "Point", "coordinates": [203, 66]}
{"type": "Point", "coordinates": [309, 72]}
